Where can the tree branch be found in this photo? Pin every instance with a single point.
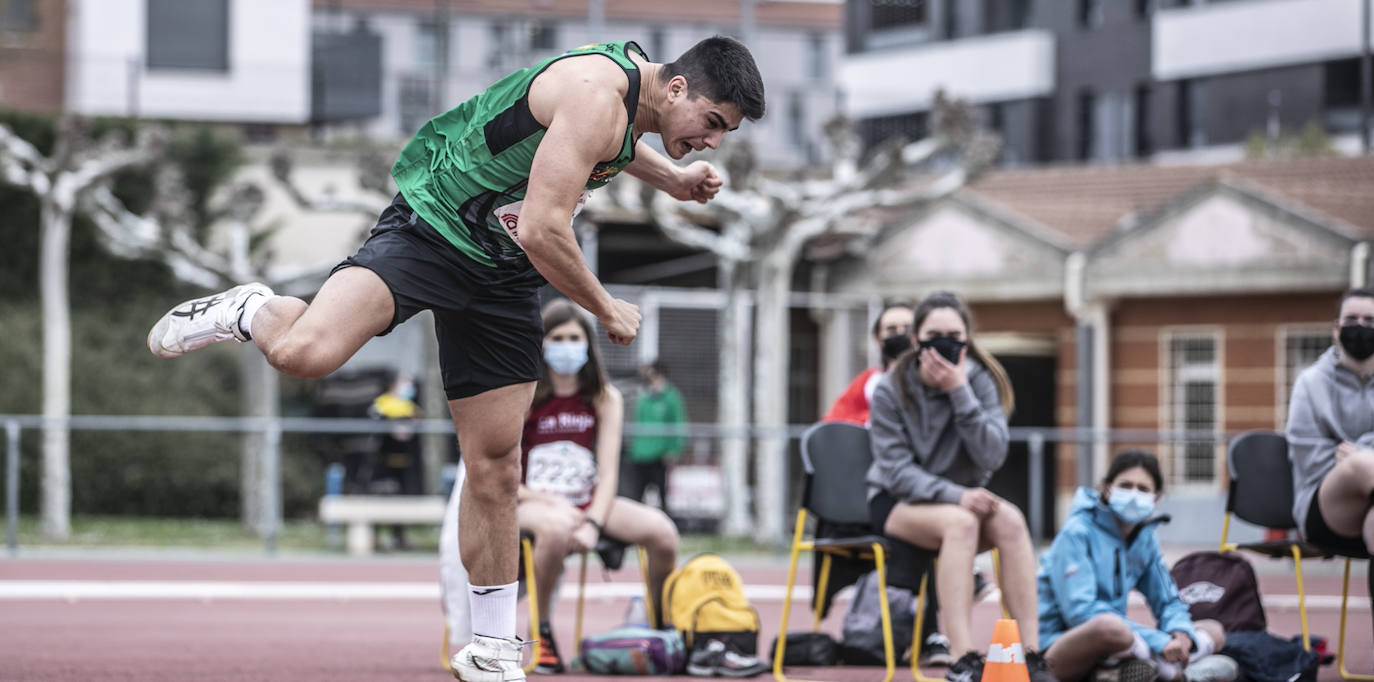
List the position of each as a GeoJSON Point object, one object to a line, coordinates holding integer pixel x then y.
{"type": "Point", "coordinates": [20, 163]}
{"type": "Point", "coordinates": [683, 232]}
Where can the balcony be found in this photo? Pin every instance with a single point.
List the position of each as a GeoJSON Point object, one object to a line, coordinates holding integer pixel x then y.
{"type": "Point", "coordinates": [1245, 36]}
{"type": "Point", "coordinates": [993, 68]}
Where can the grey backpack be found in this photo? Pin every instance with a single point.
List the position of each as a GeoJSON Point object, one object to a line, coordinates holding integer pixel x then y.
{"type": "Point", "coordinates": [862, 641]}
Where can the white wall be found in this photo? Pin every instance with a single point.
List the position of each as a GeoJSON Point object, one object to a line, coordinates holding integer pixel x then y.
{"type": "Point", "coordinates": [269, 65]}
{"type": "Point", "coordinates": [1244, 36]}
{"type": "Point", "coordinates": [999, 67]}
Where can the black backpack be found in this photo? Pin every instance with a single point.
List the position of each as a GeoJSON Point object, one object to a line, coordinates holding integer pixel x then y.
{"type": "Point", "coordinates": [1220, 586]}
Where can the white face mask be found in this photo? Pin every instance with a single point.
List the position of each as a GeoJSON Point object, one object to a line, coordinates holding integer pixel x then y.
{"type": "Point", "coordinates": [565, 357]}
{"type": "Point", "coordinates": [1131, 506]}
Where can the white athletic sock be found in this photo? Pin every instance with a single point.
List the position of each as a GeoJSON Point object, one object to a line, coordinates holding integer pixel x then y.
{"type": "Point", "coordinates": [493, 609]}
{"type": "Point", "coordinates": [250, 308]}
{"type": "Point", "coordinates": [1137, 649]}
{"type": "Point", "coordinates": [1205, 646]}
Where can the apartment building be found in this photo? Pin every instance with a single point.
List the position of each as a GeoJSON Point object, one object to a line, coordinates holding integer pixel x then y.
{"type": "Point", "coordinates": [435, 54]}
{"type": "Point", "coordinates": [1106, 80]}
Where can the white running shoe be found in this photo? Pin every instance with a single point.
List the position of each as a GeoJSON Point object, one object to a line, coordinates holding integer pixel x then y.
{"type": "Point", "coordinates": [200, 322]}
{"type": "Point", "coordinates": [489, 659]}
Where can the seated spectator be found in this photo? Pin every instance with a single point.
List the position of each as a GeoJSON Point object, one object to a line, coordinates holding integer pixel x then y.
{"type": "Point", "coordinates": [939, 432]}
{"type": "Point", "coordinates": [570, 460]}
{"type": "Point", "coordinates": [397, 469]}
{"type": "Point", "coordinates": [1331, 437]}
{"type": "Point", "coordinates": [1107, 548]}
{"type": "Point", "coordinates": [892, 333]}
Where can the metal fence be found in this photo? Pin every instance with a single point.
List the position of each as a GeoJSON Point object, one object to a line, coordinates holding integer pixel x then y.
{"type": "Point", "coordinates": [705, 437]}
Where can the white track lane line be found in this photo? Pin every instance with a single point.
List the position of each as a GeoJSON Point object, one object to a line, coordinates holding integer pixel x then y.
{"type": "Point", "coordinates": [74, 590]}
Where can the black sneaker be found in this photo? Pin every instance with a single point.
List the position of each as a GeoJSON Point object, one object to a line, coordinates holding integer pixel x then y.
{"type": "Point", "coordinates": [969, 668]}
{"type": "Point", "coordinates": [715, 659]}
{"type": "Point", "coordinates": [549, 662]}
{"type": "Point", "coordinates": [1129, 670]}
{"type": "Point", "coordinates": [1037, 669]}
{"type": "Point", "coordinates": [935, 651]}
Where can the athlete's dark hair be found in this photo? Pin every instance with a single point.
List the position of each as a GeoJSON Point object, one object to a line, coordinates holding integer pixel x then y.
{"type": "Point", "coordinates": [721, 70]}
{"type": "Point", "coordinates": [591, 379]}
{"type": "Point", "coordinates": [1130, 459]}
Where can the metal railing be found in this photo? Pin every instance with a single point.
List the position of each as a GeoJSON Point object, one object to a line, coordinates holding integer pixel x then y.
{"type": "Point", "coordinates": [1035, 438]}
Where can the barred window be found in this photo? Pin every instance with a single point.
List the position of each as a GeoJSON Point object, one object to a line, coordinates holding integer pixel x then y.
{"type": "Point", "coordinates": [1301, 348]}
{"type": "Point", "coordinates": [1192, 393]}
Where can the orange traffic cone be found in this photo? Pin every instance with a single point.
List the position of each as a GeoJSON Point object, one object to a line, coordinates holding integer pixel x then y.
{"type": "Point", "coordinates": [1006, 660]}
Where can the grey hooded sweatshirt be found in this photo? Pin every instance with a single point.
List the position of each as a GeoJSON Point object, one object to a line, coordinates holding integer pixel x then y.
{"type": "Point", "coordinates": [1330, 404]}
{"type": "Point", "coordinates": [943, 444]}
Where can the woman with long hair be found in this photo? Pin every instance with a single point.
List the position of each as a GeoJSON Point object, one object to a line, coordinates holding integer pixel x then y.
{"type": "Point", "coordinates": [570, 463]}
{"type": "Point", "coordinates": [939, 432]}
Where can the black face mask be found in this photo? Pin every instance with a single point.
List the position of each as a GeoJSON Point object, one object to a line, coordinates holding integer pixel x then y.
{"type": "Point", "coordinates": [895, 345]}
{"type": "Point", "coordinates": [1357, 341]}
{"type": "Point", "coordinates": [946, 346]}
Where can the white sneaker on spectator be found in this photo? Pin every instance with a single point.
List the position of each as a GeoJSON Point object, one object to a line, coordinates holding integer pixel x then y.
{"type": "Point", "coordinates": [1214, 668]}
{"type": "Point", "coordinates": [935, 651]}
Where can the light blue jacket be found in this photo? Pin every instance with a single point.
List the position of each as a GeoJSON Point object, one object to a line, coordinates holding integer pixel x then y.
{"type": "Point", "coordinates": [1090, 569]}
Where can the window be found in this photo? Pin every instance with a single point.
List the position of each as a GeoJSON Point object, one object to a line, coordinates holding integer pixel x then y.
{"type": "Point", "coordinates": [1144, 142]}
{"type": "Point", "coordinates": [796, 119]}
{"type": "Point", "coordinates": [898, 13]}
{"type": "Point", "coordinates": [1192, 393]}
{"type": "Point", "coordinates": [426, 47]}
{"type": "Point", "coordinates": [875, 131]}
{"type": "Point", "coordinates": [188, 35]}
{"type": "Point", "coordinates": [18, 16]}
{"type": "Point", "coordinates": [1192, 109]}
{"type": "Point", "coordinates": [498, 49]}
{"type": "Point", "coordinates": [951, 19]}
{"type": "Point", "coordinates": [1145, 8]}
{"type": "Point", "coordinates": [415, 97]}
{"type": "Point", "coordinates": [543, 37]}
{"type": "Point", "coordinates": [1090, 13]}
{"type": "Point", "coordinates": [658, 45]}
{"type": "Point", "coordinates": [1087, 124]}
{"type": "Point", "coordinates": [1005, 15]}
{"type": "Point", "coordinates": [815, 57]}
{"type": "Point", "coordinates": [1301, 347]}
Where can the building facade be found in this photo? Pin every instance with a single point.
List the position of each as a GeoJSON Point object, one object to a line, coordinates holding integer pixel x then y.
{"type": "Point", "coordinates": [1149, 301]}
{"type": "Point", "coordinates": [1101, 80]}
{"type": "Point", "coordinates": [436, 54]}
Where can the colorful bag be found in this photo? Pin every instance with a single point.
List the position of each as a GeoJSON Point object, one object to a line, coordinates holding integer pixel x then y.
{"type": "Point", "coordinates": [705, 600]}
{"type": "Point", "coordinates": [634, 650]}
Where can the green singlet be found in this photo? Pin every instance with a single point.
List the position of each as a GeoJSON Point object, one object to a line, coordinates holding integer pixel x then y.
{"type": "Point", "coordinates": [467, 169]}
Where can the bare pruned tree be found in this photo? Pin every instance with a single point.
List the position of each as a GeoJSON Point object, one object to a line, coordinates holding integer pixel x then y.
{"type": "Point", "coordinates": [764, 225]}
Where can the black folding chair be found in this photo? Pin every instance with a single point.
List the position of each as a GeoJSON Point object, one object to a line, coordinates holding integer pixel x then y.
{"type": "Point", "coordinates": [836, 458]}
{"type": "Point", "coordinates": [1261, 493]}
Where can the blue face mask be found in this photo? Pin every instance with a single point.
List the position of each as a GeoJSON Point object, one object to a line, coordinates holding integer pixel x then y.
{"type": "Point", "coordinates": [565, 357]}
{"type": "Point", "coordinates": [1131, 506]}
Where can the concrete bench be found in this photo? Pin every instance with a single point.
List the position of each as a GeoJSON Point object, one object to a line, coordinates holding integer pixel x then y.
{"type": "Point", "coordinates": [362, 512]}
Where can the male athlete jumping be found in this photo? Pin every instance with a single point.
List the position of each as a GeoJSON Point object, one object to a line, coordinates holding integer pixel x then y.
{"type": "Point", "coordinates": [487, 194]}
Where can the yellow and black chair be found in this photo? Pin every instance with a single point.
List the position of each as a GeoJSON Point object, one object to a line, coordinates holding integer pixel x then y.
{"type": "Point", "coordinates": [836, 458]}
{"type": "Point", "coordinates": [1261, 493]}
{"type": "Point", "coordinates": [529, 586]}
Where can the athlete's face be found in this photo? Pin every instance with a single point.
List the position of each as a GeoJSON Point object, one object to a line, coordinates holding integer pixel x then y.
{"type": "Point", "coordinates": [695, 123]}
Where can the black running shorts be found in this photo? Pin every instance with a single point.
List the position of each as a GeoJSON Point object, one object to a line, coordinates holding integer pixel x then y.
{"type": "Point", "coordinates": [488, 325]}
{"type": "Point", "coordinates": [1321, 535]}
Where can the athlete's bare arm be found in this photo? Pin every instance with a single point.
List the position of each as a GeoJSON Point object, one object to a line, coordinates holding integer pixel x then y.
{"type": "Point", "coordinates": [580, 101]}
{"type": "Point", "coordinates": [698, 181]}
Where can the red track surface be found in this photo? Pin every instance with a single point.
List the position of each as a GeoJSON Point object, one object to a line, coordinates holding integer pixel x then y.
{"type": "Point", "coordinates": [373, 640]}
